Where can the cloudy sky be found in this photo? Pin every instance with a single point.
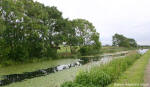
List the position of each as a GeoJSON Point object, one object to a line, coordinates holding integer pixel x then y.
{"type": "Point", "coordinates": [128, 17]}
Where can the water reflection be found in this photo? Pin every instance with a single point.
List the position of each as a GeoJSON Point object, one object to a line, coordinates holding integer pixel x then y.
{"type": "Point", "coordinates": [8, 79]}
{"type": "Point", "coordinates": [142, 51]}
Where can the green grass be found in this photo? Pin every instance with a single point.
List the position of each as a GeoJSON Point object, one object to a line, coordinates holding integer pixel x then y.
{"type": "Point", "coordinates": [112, 49]}
{"type": "Point", "coordinates": [64, 49]}
{"type": "Point", "coordinates": [105, 49]}
{"type": "Point", "coordinates": [103, 75]}
{"type": "Point", "coordinates": [135, 74]}
{"type": "Point", "coordinates": [63, 53]}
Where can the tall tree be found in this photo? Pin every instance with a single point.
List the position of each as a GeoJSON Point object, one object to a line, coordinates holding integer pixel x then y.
{"type": "Point", "coordinates": [30, 29]}
{"type": "Point", "coordinates": [87, 37]}
{"type": "Point", "coordinates": [84, 31]}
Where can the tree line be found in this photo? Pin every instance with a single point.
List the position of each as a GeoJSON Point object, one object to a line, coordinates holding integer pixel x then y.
{"type": "Point", "coordinates": [122, 41]}
{"type": "Point", "coordinates": [29, 29]}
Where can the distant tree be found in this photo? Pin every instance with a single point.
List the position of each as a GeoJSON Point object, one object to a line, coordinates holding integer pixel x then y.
{"type": "Point", "coordinates": [122, 41]}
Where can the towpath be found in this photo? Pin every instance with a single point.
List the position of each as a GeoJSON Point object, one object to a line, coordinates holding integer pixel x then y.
{"type": "Point", "coordinates": [147, 75]}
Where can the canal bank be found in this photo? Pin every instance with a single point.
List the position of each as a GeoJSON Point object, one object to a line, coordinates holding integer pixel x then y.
{"type": "Point", "coordinates": [55, 79]}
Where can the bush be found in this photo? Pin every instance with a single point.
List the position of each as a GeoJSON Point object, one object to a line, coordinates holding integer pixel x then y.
{"type": "Point", "coordinates": [88, 50]}
{"type": "Point", "coordinates": [73, 84]}
{"type": "Point", "coordinates": [51, 52]}
{"type": "Point", "coordinates": [84, 50]}
{"type": "Point", "coordinates": [95, 77]}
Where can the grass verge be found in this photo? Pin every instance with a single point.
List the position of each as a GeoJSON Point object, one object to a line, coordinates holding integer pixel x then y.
{"type": "Point", "coordinates": [113, 49]}
{"type": "Point", "coordinates": [134, 76]}
{"type": "Point", "coordinates": [103, 75]}
{"type": "Point", "coordinates": [63, 53]}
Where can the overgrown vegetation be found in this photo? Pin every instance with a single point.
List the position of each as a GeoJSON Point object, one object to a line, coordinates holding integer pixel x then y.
{"type": "Point", "coordinates": [103, 75]}
{"type": "Point", "coordinates": [122, 41]}
{"type": "Point", "coordinates": [31, 30]}
{"type": "Point", "coordinates": [144, 46]}
{"type": "Point", "coordinates": [135, 74]}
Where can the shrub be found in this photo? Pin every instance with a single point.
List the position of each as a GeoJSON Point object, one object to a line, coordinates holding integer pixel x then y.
{"type": "Point", "coordinates": [73, 84]}
{"type": "Point", "coordinates": [88, 50]}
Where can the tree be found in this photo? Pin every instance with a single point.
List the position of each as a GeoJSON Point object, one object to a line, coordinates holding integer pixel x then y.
{"type": "Point", "coordinates": [132, 42]}
{"type": "Point", "coordinates": [122, 41]}
{"type": "Point", "coordinates": [29, 29]}
{"type": "Point", "coordinates": [87, 37]}
{"type": "Point", "coordinates": [84, 31]}
{"type": "Point", "coordinates": [12, 35]}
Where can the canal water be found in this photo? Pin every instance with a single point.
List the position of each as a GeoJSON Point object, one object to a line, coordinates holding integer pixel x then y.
{"type": "Point", "coordinates": [51, 74]}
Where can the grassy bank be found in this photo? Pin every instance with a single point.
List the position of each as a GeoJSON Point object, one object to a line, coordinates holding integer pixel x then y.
{"type": "Point", "coordinates": [65, 50]}
{"type": "Point", "coordinates": [63, 53]}
{"type": "Point", "coordinates": [113, 49]}
{"type": "Point", "coordinates": [135, 74]}
{"type": "Point", "coordinates": [103, 75]}
{"type": "Point", "coordinates": [31, 60]}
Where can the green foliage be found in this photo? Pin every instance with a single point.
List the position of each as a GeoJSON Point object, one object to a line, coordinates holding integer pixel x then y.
{"type": "Point", "coordinates": [96, 78]}
{"type": "Point", "coordinates": [84, 50]}
{"type": "Point", "coordinates": [132, 43]}
{"type": "Point", "coordinates": [51, 53]}
{"type": "Point", "coordinates": [101, 76]}
{"type": "Point", "coordinates": [29, 29]}
{"type": "Point", "coordinates": [112, 49]}
{"type": "Point", "coordinates": [122, 41]}
{"type": "Point", "coordinates": [134, 74]}
{"type": "Point", "coordinates": [88, 50]}
{"type": "Point", "coordinates": [72, 84]}
{"type": "Point", "coordinates": [85, 32]}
